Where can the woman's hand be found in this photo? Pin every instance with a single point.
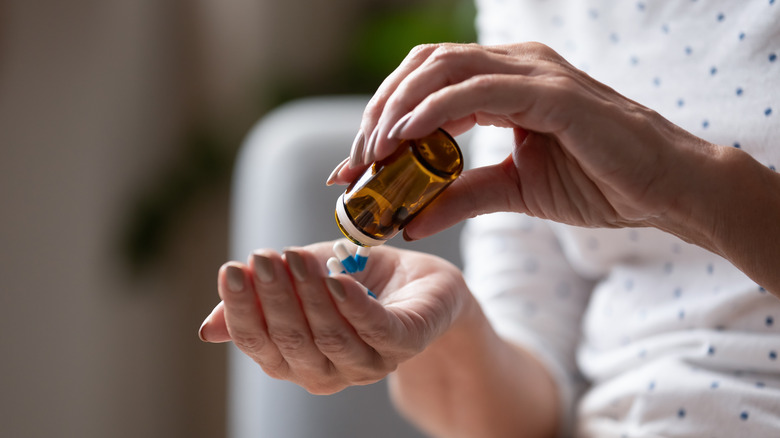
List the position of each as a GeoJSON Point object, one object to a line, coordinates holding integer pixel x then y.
{"type": "Point", "coordinates": [584, 154]}
{"type": "Point", "coordinates": [325, 333]}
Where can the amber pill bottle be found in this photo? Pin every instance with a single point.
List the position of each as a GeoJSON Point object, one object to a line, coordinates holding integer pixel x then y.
{"type": "Point", "coordinates": [391, 192]}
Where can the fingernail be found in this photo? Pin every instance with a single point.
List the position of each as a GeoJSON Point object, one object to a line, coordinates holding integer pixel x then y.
{"type": "Point", "coordinates": [407, 237]}
{"type": "Point", "coordinates": [235, 278]}
{"type": "Point", "coordinates": [332, 177]}
{"type": "Point", "coordinates": [368, 154]}
{"type": "Point", "coordinates": [356, 152]}
{"type": "Point", "coordinates": [395, 132]}
{"type": "Point", "coordinates": [296, 264]}
{"type": "Point", "coordinates": [200, 330]}
{"type": "Point", "coordinates": [264, 267]}
{"type": "Point", "coordinates": [336, 289]}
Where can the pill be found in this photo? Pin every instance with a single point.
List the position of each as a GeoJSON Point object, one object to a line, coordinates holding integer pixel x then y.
{"type": "Point", "coordinates": [346, 259]}
{"type": "Point", "coordinates": [335, 266]}
{"type": "Point", "coordinates": [361, 257]}
{"type": "Point", "coordinates": [344, 262]}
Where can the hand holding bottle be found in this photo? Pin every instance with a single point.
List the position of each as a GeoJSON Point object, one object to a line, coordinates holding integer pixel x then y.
{"type": "Point", "coordinates": [584, 154]}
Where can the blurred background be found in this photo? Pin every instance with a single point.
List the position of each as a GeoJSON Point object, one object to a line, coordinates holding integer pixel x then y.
{"type": "Point", "coordinates": [119, 124]}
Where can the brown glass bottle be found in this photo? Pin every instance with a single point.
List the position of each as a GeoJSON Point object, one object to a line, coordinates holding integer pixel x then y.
{"type": "Point", "coordinates": [391, 192]}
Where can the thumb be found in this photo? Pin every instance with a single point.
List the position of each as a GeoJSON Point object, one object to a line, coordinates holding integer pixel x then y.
{"type": "Point", "coordinates": [214, 328]}
{"type": "Point", "coordinates": [477, 191]}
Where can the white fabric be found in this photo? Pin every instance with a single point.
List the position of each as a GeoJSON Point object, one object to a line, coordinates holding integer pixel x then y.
{"type": "Point", "coordinates": [672, 339]}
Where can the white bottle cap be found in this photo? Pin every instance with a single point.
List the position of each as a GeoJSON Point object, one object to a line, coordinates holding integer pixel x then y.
{"type": "Point", "coordinates": [350, 228]}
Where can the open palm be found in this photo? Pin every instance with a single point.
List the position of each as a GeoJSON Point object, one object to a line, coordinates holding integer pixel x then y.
{"type": "Point", "coordinates": [325, 333]}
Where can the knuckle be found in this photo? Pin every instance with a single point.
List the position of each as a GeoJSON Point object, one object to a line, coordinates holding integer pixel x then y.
{"type": "Point", "coordinates": [331, 341]}
{"type": "Point", "coordinates": [370, 116]}
{"type": "Point", "coordinates": [287, 340]}
{"type": "Point", "coordinates": [373, 110]}
{"type": "Point", "coordinates": [423, 50]}
{"type": "Point", "coordinates": [482, 83]}
{"type": "Point", "coordinates": [277, 370]}
{"type": "Point", "coordinates": [564, 85]}
{"type": "Point", "coordinates": [248, 342]}
{"type": "Point", "coordinates": [274, 297]}
{"type": "Point", "coordinates": [313, 298]}
{"type": "Point", "coordinates": [374, 336]}
{"type": "Point", "coordinates": [535, 46]}
{"type": "Point", "coordinates": [472, 205]}
{"type": "Point", "coordinates": [446, 53]}
{"type": "Point", "coordinates": [542, 50]}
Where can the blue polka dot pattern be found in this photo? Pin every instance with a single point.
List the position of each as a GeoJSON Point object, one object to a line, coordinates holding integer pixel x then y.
{"type": "Point", "coordinates": [655, 296]}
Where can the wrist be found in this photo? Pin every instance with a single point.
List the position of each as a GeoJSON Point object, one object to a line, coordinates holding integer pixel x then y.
{"type": "Point", "coordinates": [745, 231]}
{"type": "Point", "coordinates": [469, 322]}
{"type": "Point", "coordinates": [470, 382]}
{"type": "Point", "coordinates": [729, 204]}
{"type": "Point", "coordinates": [696, 192]}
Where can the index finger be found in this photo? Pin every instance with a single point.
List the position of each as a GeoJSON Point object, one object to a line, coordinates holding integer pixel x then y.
{"type": "Point", "coordinates": [358, 162]}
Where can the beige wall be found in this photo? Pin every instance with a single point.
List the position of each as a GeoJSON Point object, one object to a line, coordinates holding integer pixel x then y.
{"type": "Point", "coordinates": [95, 97]}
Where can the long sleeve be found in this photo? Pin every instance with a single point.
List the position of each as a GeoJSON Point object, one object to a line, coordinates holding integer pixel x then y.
{"type": "Point", "coordinates": [518, 272]}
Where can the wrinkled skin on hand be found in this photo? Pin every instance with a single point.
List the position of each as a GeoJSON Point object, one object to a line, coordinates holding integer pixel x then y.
{"type": "Point", "coordinates": [584, 154]}
{"type": "Point", "coordinates": [325, 333]}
